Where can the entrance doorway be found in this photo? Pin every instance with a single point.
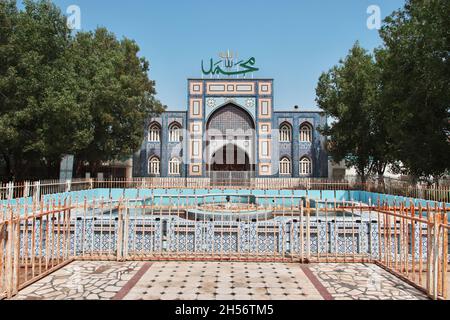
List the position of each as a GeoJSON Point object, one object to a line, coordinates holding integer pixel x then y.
{"type": "Point", "coordinates": [231, 145]}
{"type": "Point", "coordinates": [230, 158]}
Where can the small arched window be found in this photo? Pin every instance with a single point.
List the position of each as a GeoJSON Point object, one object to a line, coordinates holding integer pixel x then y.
{"type": "Point", "coordinates": [306, 133]}
{"type": "Point", "coordinates": [285, 133]}
{"type": "Point", "coordinates": [174, 132]}
{"type": "Point", "coordinates": [285, 166]}
{"type": "Point", "coordinates": [154, 133]}
{"type": "Point", "coordinates": [154, 165]}
{"type": "Point", "coordinates": [175, 167]}
{"type": "Point", "coordinates": [305, 166]}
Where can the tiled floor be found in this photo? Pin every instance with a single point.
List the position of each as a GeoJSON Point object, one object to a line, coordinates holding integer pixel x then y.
{"type": "Point", "coordinates": [363, 282]}
{"type": "Point", "coordinates": [218, 281]}
{"type": "Point", "coordinates": [224, 281]}
{"type": "Point", "coordinates": [82, 281]}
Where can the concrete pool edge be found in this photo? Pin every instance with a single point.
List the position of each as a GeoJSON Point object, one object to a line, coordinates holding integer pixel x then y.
{"type": "Point", "coordinates": [364, 197]}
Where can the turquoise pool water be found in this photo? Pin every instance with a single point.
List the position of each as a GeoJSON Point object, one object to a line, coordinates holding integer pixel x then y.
{"type": "Point", "coordinates": [194, 196]}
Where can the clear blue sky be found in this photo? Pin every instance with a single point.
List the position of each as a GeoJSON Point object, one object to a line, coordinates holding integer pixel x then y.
{"type": "Point", "coordinates": [293, 41]}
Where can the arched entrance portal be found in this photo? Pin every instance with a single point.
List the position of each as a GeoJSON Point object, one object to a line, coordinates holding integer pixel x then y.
{"type": "Point", "coordinates": [231, 144]}
{"type": "Point", "coordinates": [230, 158]}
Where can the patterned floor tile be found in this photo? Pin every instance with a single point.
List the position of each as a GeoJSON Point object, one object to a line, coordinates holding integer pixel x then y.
{"type": "Point", "coordinates": [219, 281]}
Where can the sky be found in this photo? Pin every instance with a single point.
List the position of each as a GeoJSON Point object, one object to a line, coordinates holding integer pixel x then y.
{"type": "Point", "coordinates": [293, 41]}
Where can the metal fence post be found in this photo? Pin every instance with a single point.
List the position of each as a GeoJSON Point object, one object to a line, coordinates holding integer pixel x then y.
{"type": "Point", "coordinates": [445, 232]}
{"type": "Point", "coordinates": [68, 185]}
{"type": "Point", "coordinates": [120, 232]}
{"type": "Point", "coordinates": [432, 254]}
{"type": "Point", "coordinates": [26, 189]}
{"type": "Point", "coordinates": [16, 267]}
{"type": "Point", "coordinates": [37, 191]}
{"type": "Point", "coordinates": [10, 187]}
{"type": "Point", "coordinates": [9, 255]}
{"type": "Point", "coordinates": [308, 230]}
{"type": "Point", "coordinates": [126, 223]}
{"type": "Point", "coordinates": [435, 255]}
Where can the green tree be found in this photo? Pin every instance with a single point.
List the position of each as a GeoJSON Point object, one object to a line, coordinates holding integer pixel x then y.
{"type": "Point", "coordinates": [383, 143]}
{"type": "Point", "coordinates": [115, 89]}
{"type": "Point", "coordinates": [349, 94]}
{"type": "Point", "coordinates": [36, 87]}
{"type": "Point", "coordinates": [86, 95]}
{"type": "Point", "coordinates": [8, 134]}
{"type": "Point", "coordinates": [416, 86]}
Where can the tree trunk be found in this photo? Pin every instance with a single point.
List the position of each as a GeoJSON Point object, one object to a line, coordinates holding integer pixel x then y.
{"type": "Point", "coordinates": [14, 168]}
{"type": "Point", "coordinates": [53, 168]}
{"type": "Point", "coordinates": [78, 168]}
{"type": "Point", "coordinates": [436, 180]}
{"type": "Point", "coordinates": [363, 176]}
{"type": "Point", "coordinates": [93, 167]}
{"type": "Point", "coordinates": [381, 169]}
{"type": "Point", "coordinates": [381, 182]}
{"type": "Point", "coordinates": [9, 175]}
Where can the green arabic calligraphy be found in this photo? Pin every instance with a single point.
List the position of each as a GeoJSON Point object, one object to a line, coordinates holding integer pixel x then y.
{"type": "Point", "coordinates": [214, 68]}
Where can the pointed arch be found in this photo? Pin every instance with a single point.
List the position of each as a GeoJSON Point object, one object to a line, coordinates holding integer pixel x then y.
{"type": "Point", "coordinates": [285, 166]}
{"type": "Point", "coordinates": [154, 132]}
{"type": "Point", "coordinates": [306, 132]}
{"type": "Point", "coordinates": [285, 132]}
{"type": "Point", "coordinates": [175, 132]}
{"type": "Point", "coordinates": [230, 105]}
{"type": "Point", "coordinates": [175, 167]}
{"type": "Point", "coordinates": [154, 166]}
{"type": "Point", "coordinates": [305, 166]}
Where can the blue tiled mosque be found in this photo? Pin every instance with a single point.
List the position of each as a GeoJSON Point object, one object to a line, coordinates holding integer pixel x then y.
{"type": "Point", "coordinates": [231, 129]}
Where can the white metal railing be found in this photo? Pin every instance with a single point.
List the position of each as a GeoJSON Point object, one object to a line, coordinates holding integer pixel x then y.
{"type": "Point", "coordinates": [244, 180]}
{"type": "Point", "coordinates": [411, 242]}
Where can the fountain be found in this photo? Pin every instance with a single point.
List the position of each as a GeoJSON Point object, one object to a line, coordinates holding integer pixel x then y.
{"type": "Point", "coordinates": [229, 207]}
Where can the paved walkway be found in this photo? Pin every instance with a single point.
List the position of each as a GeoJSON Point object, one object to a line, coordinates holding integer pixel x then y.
{"type": "Point", "coordinates": [218, 281]}
{"type": "Point", "coordinates": [363, 282]}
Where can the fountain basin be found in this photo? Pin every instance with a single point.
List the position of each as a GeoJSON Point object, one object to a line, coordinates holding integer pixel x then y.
{"type": "Point", "coordinates": [228, 216]}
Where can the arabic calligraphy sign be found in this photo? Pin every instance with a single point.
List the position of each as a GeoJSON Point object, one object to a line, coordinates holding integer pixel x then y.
{"type": "Point", "coordinates": [229, 66]}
